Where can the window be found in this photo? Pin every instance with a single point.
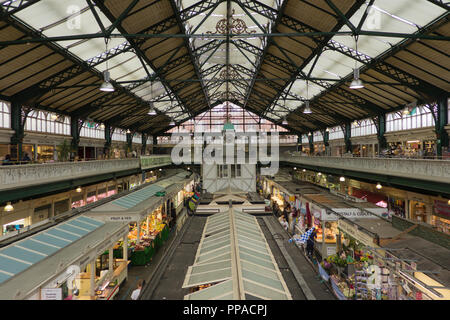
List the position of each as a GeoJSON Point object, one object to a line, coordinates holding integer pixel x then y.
{"type": "Point", "coordinates": [5, 115]}
{"type": "Point", "coordinates": [222, 171]}
{"type": "Point", "coordinates": [363, 128]}
{"type": "Point", "coordinates": [119, 135]}
{"type": "Point", "coordinates": [41, 121]}
{"type": "Point", "coordinates": [137, 138]}
{"type": "Point", "coordinates": [336, 133]}
{"type": "Point", "coordinates": [214, 119]}
{"type": "Point", "coordinates": [92, 130]}
{"type": "Point", "coordinates": [420, 117]}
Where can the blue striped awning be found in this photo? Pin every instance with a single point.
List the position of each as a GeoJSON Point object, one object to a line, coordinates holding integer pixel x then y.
{"type": "Point", "coordinates": [133, 199]}
{"type": "Point", "coordinates": [25, 253]}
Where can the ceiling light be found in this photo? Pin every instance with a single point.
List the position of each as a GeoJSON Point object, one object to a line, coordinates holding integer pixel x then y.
{"type": "Point", "coordinates": [172, 123]}
{"type": "Point", "coordinates": [151, 112]}
{"type": "Point", "coordinates": [8, 207]}
{"type": "Point", "coordinates": [448, 202]}
{"type": "Point", "coordinates": [106, 85]}
{"type": "Point", "coordinates": [327, 130]}
{"type": "Point", "coordinates": [284, 121]}
{"type": "Point", "coordinates": [128, 131]}
{"type": "Point", "coordinates": [295, 168]}
{"type": "Point", "coordinates": [379, 186]}
{"type": "Point", "coordinates": [304, 170]}
{"type": "Point", "coordinates": [356, 83]}
{"type": "Point", "coordinates": [160, 169]}
{"type": "Point", "coordinates": [102, 126]}
{"type": "Point", "coordinates": [320, 173]}
{"type": "Point", "coordinates": [78, 189]}
{"type": "Point", "coordinates": [54, 116]}
{"type": "Point", "coordinates": [342, 179]}
{"type": "Point", "coordinates": [307, 108]}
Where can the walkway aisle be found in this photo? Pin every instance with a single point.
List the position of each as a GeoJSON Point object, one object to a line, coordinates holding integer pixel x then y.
{"type": "Point", "coordinates": [135, 273]}
{"type": "Point", "coordinates": [173, 274]}
{"type": "Point", "coordinates": [301, 272]}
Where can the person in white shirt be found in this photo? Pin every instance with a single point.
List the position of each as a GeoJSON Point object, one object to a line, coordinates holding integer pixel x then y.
{"type": "Point", "coordinates": [137, 292]}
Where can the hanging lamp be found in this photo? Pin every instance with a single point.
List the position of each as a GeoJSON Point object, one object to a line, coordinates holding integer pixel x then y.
{"type": "Point", "coordinates": [106, 85]}
{"type": "Point", "coordinates": [307, 109]}
{"type": "Point", "coordinates": [357, 82]}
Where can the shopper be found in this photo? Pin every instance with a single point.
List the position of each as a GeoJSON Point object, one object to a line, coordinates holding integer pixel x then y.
{"type": "Point", "coordinates": [7, 160]}
{"type": "Point", "coordinates": [310, 244]}
{"type": "Point", "coordinates": [137, 292]}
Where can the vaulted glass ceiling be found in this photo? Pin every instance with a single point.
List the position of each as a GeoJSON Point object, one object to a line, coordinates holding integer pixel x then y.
{"type": "Point", "coordinates": [261, 72]}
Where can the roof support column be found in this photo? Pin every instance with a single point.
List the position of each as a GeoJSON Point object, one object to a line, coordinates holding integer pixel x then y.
{"type": "Point", "coordinates": [380, 124]}
{"type": "Point", "coordinates": [326, 141]}
{"type": "Point", "coordinates": [311, 143]}
{"type": "Point", "coordinates": [347, 128]}
{"type": "Point", "coordinates": [299, 143]}
{"type": "Point", "coordinates": [129, 143]}
{"type": "Point", "coordinates": [108, 140]}
{"type": "Point", "coordinates": [155, 142]}
{"type": "Point", "coordinates": [144, 144]}
{"type": "Point", "coordinates": [442, 139]}
{"type": "Point", "coordinates": [18, 125]}
{"type": "Point", "coordinates": [75, 128]}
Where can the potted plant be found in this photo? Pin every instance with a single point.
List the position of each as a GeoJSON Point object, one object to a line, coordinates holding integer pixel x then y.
{"type": "Point", "coordinates": [64, 149]}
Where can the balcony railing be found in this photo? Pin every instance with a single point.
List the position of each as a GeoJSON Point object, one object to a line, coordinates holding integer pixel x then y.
{"type": "Point", "coordinates": [13, 176]}
{"type": "Point", "coordinates": [424, 169]}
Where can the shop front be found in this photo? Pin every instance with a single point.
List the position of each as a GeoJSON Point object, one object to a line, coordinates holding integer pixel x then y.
{"type": "Point", "coordinates": [441, 215]}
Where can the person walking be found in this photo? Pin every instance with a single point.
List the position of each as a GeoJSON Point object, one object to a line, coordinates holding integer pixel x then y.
{"type": "Point", "coordinates": [137, 292]}
{"type": "Point", "coordinates": [310, 244]}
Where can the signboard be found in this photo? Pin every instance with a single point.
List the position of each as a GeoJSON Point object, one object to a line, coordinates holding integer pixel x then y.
{"type": "Point", "coordinates": [323, 273]}
{"type": "Point", "coordinates": [51, 294]}
{"type": "Point", "coordinates": [442, 209]}
{"type": "Point", "coordinates": [337, 291]}
{"type": "Point", "coordinates": [127, 218]}
{"type": "Point", "coordinates": [354, 232]}
{"type": "Point", "coordinates": [353, 213]}
{"type": "Point", "coordinates": [331, 250]}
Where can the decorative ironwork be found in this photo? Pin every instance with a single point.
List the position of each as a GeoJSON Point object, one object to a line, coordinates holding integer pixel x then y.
{"type": "Point", "coordinates": [228, 74]}
{"type": "Point", "coordinates": [235, 26]}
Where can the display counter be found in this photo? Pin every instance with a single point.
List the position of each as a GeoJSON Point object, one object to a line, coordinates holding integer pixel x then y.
{"type": "Point", "coordinates": [106, 285]}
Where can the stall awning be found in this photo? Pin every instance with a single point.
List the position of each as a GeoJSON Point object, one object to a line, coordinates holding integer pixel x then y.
{"type": "Point", "coordinates": [235, 260]}
{"type": "Point", "coordinates": [21, 255]}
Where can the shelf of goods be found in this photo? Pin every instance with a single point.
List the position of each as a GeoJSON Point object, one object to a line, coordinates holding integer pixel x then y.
{"type": "Point", "coordinates": [150, 242]}
{"type": "Point", "coordinates": [106, 286]}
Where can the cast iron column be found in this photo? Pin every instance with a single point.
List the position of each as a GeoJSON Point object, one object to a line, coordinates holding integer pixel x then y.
{"type": "Point", "coordinates": [442, 139]}
{"type": "Point", "coordinates": [17, 124]}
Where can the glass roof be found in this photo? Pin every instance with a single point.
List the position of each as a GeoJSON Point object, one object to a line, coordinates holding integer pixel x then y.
{"type": "Point", "coordinates": [75, 18]}
{"type": "Point", "coordinates": [237, 254]}
{"type": "Point", "coordinates": [399, 16]}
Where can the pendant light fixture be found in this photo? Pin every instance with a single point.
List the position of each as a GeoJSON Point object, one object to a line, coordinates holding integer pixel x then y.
{"type": "Point", "coordinates": [379, 186]}
{"type": "Point", "coordinates": [78, 190]}
{"type": "Point", "coordinates": [307, 109]}
{"type": "Point", "coordinates": [102, 126]}
{"type": "Point", "coordinates": [356, 83]}
{"type": "Point", "coordinates": [106, 85]}
{"type": "Point", "coordinates": [54, 116]}
{"type": "Point", "coordinates": [152, 111]}
{"type": "Point", "coordinates": [128, 131]}
{"type": "Point", "coordinates": [8, 207]}
{"type": "Point", "coordinates": [342, 179]}
{"type": "Point", "coordinates": [172, 123]}
{"type": "Point", "coordinates": [284, 121]}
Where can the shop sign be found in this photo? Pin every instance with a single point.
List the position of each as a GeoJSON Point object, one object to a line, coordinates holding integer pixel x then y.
{"type": "Point", "coordinates": [353, 213]}
{"type": "Point", "coordinates": [51, 294]}
{"type": "Point", "coordinates": [442, 209]}
{"type": "Point", "coordinates": [331, 250]}
{"type": "Point", "coordinates": [128, 218]}
{"type": "Point", "coordinates": [354, 232]}
{"type": "Point", "coordinates": [318, 212]}
{"type": "Point", "coordinates": [418, 295]}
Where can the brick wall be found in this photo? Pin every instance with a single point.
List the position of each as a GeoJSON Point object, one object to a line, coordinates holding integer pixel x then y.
{"type": "Point", "coordinates": [425, 232]}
